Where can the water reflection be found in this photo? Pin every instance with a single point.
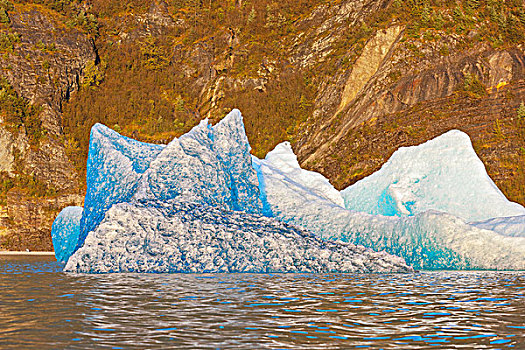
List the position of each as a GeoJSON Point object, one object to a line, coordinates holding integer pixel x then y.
{"type": "Point", "coordinates": [42, 307]}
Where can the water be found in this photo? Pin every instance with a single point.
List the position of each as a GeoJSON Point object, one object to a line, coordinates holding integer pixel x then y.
{"type": "Point", "coordinates": [43, 308]}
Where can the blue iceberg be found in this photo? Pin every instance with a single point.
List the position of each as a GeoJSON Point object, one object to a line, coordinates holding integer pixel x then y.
{"type": "Point", "coordinates": [194, 205]}
{"type": "Point", "coordinates": [65, 232]}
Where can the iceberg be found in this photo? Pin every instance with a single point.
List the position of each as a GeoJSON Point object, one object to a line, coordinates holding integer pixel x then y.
{"type": "Point", "coordinates": [427, 240]}
{"type": "Point", "coordinates": [195, 205]}
{"type": "Point", "coordinates": [65, 232]}
{"type": "Point", "coordinates": [443, 174]}
{"type": "Point", "coordinates": [202, 203]}
{"type": "Point", "coordinates": [171, 236]}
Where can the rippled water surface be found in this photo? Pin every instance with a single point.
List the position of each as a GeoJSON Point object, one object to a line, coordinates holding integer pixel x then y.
{"type": "Point", "coordinates": [41, 307]}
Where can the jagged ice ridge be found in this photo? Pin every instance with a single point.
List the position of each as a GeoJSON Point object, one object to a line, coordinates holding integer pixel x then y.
{"type": "Point", "coordinates": [427, 238]}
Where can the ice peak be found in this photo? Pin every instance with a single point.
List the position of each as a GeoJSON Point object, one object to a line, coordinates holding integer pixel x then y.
{"type": "Point", "coordinates": [283, 161]}
{"type": "Point", "coordinates": [283, 157]}
{"type": "Point", "coordinates": [234, 118]}
{"type": "Point", "coordinates": [444, 174]}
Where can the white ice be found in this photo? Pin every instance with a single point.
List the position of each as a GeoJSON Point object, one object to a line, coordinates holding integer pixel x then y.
{"type": "Point", "coordinates": [513, 226]}
{"type": "Point", "coordinates": [442, 174]}
{"type": "Point", "coordinates": [170, 236]}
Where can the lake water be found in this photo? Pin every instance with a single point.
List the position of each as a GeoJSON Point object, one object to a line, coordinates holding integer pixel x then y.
{"type": "Point", "coordinates": [44, 308]}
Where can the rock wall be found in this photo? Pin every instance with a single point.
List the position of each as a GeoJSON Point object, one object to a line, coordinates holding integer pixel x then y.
{"type": "Point", "coordinates": [44, 67]}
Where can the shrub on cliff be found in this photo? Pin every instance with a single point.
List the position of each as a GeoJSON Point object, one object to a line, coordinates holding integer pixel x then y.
{"type": "Point", "coordinates": [521, 111]}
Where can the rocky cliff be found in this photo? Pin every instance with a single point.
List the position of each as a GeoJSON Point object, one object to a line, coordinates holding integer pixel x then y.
{"type": "Point", "coordinates": [347, 82]}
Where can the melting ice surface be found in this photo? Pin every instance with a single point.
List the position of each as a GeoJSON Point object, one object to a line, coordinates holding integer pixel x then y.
{"type": "Point", "coordinates": [202, 203]}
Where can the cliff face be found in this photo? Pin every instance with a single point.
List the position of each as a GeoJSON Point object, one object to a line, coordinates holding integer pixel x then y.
{"type": "Point", "coordinates": [43, 65]}
{"type": "Point", "coordinates": [346, 82]}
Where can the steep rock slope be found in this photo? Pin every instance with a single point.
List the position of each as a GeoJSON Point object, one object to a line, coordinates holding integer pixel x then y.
{"type": "Point", "coordinates": [42, 62]}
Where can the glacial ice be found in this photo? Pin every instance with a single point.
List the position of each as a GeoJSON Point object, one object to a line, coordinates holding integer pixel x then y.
{"type": "Point", "coordinates": [427, 240]}
{"type": "Point", "coordinates": [283, 158]}
{"type": "Point", "coordinates": [202, 203]}
{"type": "Point", "coordinates": [194, 205]}
{"type": "Point", "coordinates": [65, 232]}
{"type": "Point", "coordinates": [513, 226]}
{"type": "Point", "coordinates": [443, 174]}
{"type": "Point", "coordinates": [170, 236]}
{"type": "Point", "coordinates": [114, 166]}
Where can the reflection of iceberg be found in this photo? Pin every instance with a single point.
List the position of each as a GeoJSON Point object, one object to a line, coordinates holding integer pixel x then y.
{"type": "Point", "coordinates": [202, 203]}
{"type": "Point", "coordinates": [194, 205]}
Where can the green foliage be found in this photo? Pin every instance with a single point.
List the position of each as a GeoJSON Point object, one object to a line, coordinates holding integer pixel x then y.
{"type": "Point", "coordinates": [473, 86]}
{"type": "Point", "coordinates": [500, 22]}
{"type": "Point", "coordinates": [18, 113]}
{"type": "Point", "coordinates": [521, 111]}
{"type": "Point", "coordinates": [77, 11]}
{"type": "Point", "coordinates": [498, 131]}
{"type": "Point", "coordinates": [61, 6]}
{"type": "Point", "coordinates": [5, 6]}
{"type": "Point", "coordinates": [93, 74]}
{"type": "Point", "coordinates": [153, 56]}
{"type": "Point", "coordinates": [50, 47]}
{"type": "Point", "coordinates": [472, 4]}
{"type": "Point", "coordinates": [6, 183]}
{"type": "Point", "coordinates": [85, 21]}
{"type": "Point", "coordinates": [251, 16]}
{"type": "Point", "coordinates": [4, 18]}
{"type": "Point", "coordinates": [33, 186]}
{"type": "Point", "coordinates": [8, 41]}
{"type": "Point", "coordinates": [28, 183]}
{"type": "Point", "coordinates": [275, 114]}
{"type": "Point", "coordinates": [156, 87]}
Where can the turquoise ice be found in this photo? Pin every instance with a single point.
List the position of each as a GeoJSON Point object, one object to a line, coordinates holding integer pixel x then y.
{"type": "Point", "coordinates": [65, 232]}
{"type": "Point", "coordinates": [426, 238]}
